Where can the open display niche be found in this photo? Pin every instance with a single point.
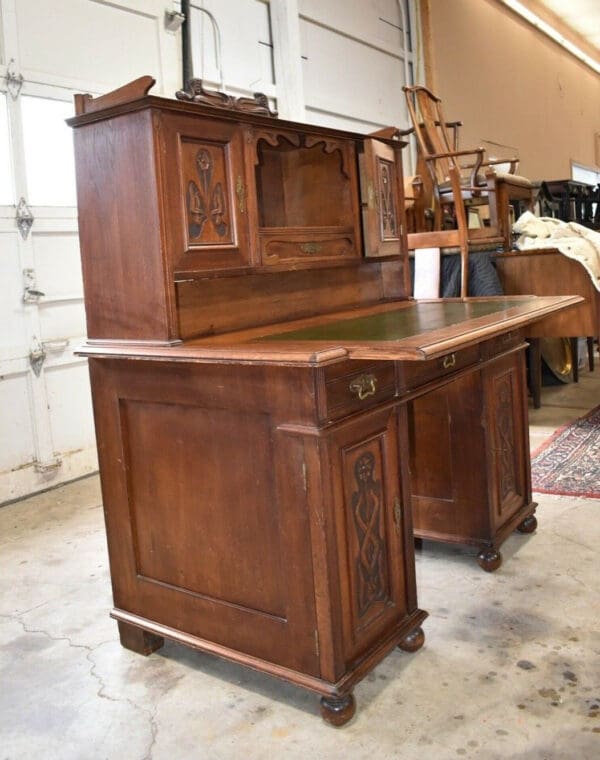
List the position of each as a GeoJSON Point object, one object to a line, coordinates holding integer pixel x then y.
{"type": "Point", "coordinates": [307, 200]}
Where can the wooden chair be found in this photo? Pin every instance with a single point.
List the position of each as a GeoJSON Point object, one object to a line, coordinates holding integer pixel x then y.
{"type": "Point", "coordinates": [461, 184]}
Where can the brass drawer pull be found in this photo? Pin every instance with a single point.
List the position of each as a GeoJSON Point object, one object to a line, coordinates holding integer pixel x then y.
{"type": "Point", "coordinates": [364, 385]}
{"type": "Point", "coordinates": [449, 361]}
{"type": "Point", "coordinates": [311, 247]}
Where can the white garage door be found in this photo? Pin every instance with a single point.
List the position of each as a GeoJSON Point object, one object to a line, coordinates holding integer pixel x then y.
{"type": "Point", "coordinates": [49, 50]}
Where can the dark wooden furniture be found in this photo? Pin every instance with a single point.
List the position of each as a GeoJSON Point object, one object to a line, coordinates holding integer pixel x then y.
{"type": "Point", "coordinates": [573, 201]}
{"type": "Point", "coordinates": [254, 357]}
{"type": "Point", "coordinates": [546, 271]}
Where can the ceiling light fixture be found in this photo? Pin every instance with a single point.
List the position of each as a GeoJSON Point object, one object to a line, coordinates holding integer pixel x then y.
{"type": "Point", "coordinates": [551, 32]}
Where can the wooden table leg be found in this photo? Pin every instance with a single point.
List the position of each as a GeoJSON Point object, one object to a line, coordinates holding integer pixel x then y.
{"type": "Point", "coordinates": [590, 348]}
{"type": "Point", "coordinates": [575, 358]}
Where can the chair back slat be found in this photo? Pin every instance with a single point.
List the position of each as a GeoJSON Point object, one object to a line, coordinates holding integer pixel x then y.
{"type": "Point", "coordinates": [425, 111]}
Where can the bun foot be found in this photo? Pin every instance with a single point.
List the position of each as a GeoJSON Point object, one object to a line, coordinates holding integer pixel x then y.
{"type": "Point", "coordinates": [413, 641]}
{"type": "Point", "coordinates": [138, 640]}
{"type": "Point", "coordinates": [528, 525]}
{"type": "Point", "coordinates": [338, 710]}
{"type": "Point", "coordinates": [489, 559]}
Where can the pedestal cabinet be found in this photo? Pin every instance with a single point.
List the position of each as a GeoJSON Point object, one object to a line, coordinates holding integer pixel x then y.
{"type": "Point", "coordinates": [470, 475]}
{"type": "Point", "coordinates": [240, 524]}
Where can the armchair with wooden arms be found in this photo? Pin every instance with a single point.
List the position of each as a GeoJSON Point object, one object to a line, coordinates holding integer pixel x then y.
{"type": "Point", "coordinates": [461, 179]}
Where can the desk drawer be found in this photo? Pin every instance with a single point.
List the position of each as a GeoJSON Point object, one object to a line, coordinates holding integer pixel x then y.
{"type": "Point", "coordinates": [500, 344]}
{"type": "Point", "coordinates": [413, 374]}
{"type": "Point", "coordinates": [353, 386]}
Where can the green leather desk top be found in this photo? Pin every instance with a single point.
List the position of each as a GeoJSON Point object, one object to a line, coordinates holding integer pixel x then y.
{"type": "Point", "coordinates": [398, 324]}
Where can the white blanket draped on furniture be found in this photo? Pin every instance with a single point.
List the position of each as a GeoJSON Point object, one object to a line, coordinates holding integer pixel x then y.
{"type": "Point", "coordinates": [571, 239]}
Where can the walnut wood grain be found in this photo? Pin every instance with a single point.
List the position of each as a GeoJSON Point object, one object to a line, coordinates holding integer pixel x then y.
{"type": "Point", "coordinates": [547, 272]}
{"type": "Point", "coordinates": [252, 416]}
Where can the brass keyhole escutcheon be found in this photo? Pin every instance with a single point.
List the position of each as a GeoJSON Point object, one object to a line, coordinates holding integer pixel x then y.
{"type": "Point", "coordinates": [364, 385]}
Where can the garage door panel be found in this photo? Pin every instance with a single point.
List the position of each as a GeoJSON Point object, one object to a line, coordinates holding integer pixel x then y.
{"type": "Point", "coordinates": [97, 35]}
{"type": "Point", "coordinates": [377, 21]}
{"type": "Point", "coordinates": [12, 308]}
{"type": "Point", "coordinates": [6, 177]}
{"type": "Point", "coordinates": [15, 422]}
{"type": "Point", "coordinates": [245, 38]}
{"type": "Point", "coordinates": [58, 264]}
{"type": "Point", "coordinates": [62, 320]}
{"type": "Point", "coordinates": [70, 404]}
{"type": "Point", "coordinates": [329, 87]}
{"type": "Point", "coordinates": [49, 157]}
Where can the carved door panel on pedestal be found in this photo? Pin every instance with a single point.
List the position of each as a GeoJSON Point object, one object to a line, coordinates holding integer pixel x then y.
{"type": "Point", "coordinates": [370, 528]}
{"type": "Point", "coordinates": [382, 199]}
{"type": "Point", "coordinates": [508, 436]}
{"type": "Point", "coordinates": [206, 194]}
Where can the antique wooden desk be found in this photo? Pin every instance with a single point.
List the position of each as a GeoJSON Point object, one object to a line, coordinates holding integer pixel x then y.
{"type": "Point", "coordinates": [256, 368]}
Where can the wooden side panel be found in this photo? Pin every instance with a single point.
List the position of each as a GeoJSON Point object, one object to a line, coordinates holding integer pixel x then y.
{"type": "Point", "coordinates": [184, 510]}
{"type": "Point", "coordinates": [448, 462]}
{"type": "Point", "coordinates": [550, 273]}
{"type": "Point", "coordinates": [203, 536]}
{"type": "Point", "coordinates": [120, 232]}
{"type": "Point", "coordinates": [205, 306]}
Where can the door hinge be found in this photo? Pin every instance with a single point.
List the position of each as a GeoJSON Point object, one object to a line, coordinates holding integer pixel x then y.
{"type": "Point", "coordinates": [14, 81]}
{"type": "Point", "coordinates": [37, 357]}
{"type": "Point", "coordinates": [304, 477]}
{"type": "Point", "coordinates": [316, 635]}
{"type": "Point", "coordinates": [30, 292]}
{"type": "Point", "coordinates": [48, 466]}
{"type": "Point", "coordinates": [24, 217]}
{"type": "Point", "coordinates": [173, 20]}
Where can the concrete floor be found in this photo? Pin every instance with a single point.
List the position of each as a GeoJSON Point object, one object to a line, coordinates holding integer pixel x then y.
{"type": "Point", "coordinates": [510, 667]}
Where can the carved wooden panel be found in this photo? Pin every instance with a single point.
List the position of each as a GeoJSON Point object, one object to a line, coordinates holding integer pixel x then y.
{"type": "Point", "coordinates": [204, 173]}
{"type": "Point", "coordinates": [206, 194]}
{"type": "Point", "coordinates": [369, 556]}
{"type": "Point", "coordinates": [371, 526]}
{"type": "Point", "coordinates": [504, 443]}
{"type": "Point", "coordinates": [382, 199]}
{"type": "Point", "coordinates": [389, 224]}
{"type": "Point", "coordinates": [509, 458]}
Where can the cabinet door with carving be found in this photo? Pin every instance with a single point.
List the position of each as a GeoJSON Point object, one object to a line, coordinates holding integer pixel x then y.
{"type": "Point", "coordinates": [382, 198]}
{"type": "Point", "coordinates": [508, 436]}
{"type": "Point", "coordinates": [373, 530]}
{"type": "Point", "coordinates": [204, 193]}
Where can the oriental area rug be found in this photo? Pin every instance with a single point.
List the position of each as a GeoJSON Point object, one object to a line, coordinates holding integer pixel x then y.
{"type": "Point", "coordinates": [568, 463]}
